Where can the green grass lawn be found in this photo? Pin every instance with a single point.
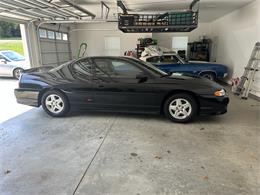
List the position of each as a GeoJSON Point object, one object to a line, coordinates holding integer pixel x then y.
{"type": "Point", "coordinates": [15, 45]}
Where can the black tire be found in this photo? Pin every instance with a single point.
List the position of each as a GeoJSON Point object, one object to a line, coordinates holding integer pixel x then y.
{"type": "Point", "coordinates": [209, 75]}
{"type": "Point", "coordinates": [17, 73]}
{"type": "Point", "coordinates": [47, 108]}
{"type": "Point", "coordinates": [184, 99]}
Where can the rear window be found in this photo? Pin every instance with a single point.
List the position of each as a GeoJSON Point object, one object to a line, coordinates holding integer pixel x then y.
{"type": "Point", "coordinates": [82, 69]}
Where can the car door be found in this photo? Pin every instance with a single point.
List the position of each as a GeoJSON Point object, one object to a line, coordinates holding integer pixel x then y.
{"type": "Point", "coordinates": [5, 68]}
{"type": "Point", "coordinates": [80, 83]}
{"type": "Point", "coordinates": [183, 66]}
{"type": "Point", "coordinates": [122, 85]}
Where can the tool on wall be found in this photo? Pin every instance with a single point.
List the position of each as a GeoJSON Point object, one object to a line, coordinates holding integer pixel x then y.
{"type": "Point", "coordinates": [82, 50]}
{"type": "Point", "coordinates": [104, 10]}
{"type": "Point", "coordinates": [248, 77]}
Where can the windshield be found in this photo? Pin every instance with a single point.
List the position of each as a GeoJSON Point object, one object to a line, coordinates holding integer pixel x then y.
{"type": "Point", "coordinates": [183, 61]}
{"type": "Point", "coordinates": [13, 56]}
{"type": "Point", "coordinates": [151, 67]}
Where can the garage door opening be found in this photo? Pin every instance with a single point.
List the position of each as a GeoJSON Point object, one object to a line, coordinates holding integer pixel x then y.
{"type": "Point", "coordinates": [13, 58]}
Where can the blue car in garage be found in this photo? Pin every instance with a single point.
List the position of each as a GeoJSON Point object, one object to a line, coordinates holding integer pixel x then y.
{"type": "Point", "coordinates": [173, 63]}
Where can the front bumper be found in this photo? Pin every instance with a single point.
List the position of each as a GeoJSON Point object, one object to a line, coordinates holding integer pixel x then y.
{"type": "Point", "coordinates": [211, 105]}
{"type": "Point", "coordinates": [27, 97]}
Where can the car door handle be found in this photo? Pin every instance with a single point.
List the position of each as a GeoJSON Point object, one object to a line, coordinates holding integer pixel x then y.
{"type": "Point", "coordinates": [101, 86]}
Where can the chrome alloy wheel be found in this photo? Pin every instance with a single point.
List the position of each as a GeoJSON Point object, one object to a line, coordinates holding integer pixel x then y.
{"type": "Point", "coordinates": [54, 103]}
{"type": "Point", "coordinates": [17, 73]}
{"type": "Point", "coordinates": [180, 108]}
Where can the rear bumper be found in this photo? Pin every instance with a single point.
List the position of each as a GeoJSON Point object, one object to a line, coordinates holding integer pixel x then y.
{"type": "Point", "coordinates": [27, 97]}
{"type": "Point", "coordinates": [211, 105]}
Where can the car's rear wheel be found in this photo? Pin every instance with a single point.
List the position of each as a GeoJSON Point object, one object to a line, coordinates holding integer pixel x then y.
{"type": "Point", "coordinates": [55, 103]}
{"type": "Point", "coordinates": [17, 73]}
{"type": "Point", "coordinates": [209, 75]}
{"type": "Point", "coordinates": [181, 108]}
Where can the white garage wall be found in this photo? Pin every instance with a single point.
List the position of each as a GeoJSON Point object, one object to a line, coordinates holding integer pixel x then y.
{"type": "Point", "coordinates": [237, 33]}
{"type": "Point", "coordinates": [94, 35]}
{"type": "Point", "coordinates": [165, 39]}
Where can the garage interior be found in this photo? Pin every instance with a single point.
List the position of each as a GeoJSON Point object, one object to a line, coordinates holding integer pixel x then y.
{"type": "Point", "coordinates": [117, 153]}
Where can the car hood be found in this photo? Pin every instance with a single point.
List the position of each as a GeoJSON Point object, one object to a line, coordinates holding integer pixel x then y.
{"type": "Point", "coordinates": [191, 82]}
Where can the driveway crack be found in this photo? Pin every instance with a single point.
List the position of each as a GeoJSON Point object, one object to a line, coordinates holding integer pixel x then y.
{"type": "Point", "coordinates": [93, 158]}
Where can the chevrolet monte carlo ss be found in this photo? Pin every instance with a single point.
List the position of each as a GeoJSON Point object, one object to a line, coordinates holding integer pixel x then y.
{"type": "Point", "coordinates": [120, 84]}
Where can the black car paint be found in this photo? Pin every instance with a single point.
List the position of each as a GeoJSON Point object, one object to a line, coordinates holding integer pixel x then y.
{"type": "Point", "coordinates": [145, 93]}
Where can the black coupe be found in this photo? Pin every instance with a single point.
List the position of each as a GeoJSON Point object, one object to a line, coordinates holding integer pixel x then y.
{"type": "Point", "coordinates": [119, 84]}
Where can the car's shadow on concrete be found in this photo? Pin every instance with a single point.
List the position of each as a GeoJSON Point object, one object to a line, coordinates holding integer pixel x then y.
{"type": "Point", "coordinates": [142, 116]}
{"type": "Point", "coordinates": [40, 115]}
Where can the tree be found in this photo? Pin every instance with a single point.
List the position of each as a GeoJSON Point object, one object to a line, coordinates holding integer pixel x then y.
{"type": "Point", "coordinates": [8, 29]}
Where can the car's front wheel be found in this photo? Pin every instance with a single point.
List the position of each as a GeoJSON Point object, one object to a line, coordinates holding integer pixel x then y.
{"type": "Point", "coordinates": [17, 73]}
{"type": "Point", "coordinates": [209, 75]}
{"type": "Point", "coordinates": [181, 108]}
{"type": "Point", "coordinates": [55, 103]}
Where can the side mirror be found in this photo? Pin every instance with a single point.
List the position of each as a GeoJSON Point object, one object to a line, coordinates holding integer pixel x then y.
{"type": "Point", "coordinates": [142, 77]}
{"type": "Point", "coordinates": [3, 61]}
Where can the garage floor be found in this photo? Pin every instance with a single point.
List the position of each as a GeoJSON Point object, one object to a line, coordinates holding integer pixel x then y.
{"type": "Point", "coordinates": [97, 153]}
{"type": "Point", "coordinates": [8, 106]}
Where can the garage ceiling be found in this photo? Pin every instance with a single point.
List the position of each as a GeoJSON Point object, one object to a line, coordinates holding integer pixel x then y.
{"type": "Point", "coordinates": [26, 10]}
{"type": "Point", "coordinates": [209, 9]}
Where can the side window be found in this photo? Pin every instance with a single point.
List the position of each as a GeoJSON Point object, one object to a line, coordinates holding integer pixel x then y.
{"type": "Point", "coordinates": [169, 60]}
{"type": "Point", "coordinates": [176, 60]}
{"type": "Point", "coordinates": [2, 58]}
{"type": "Point", "coordinates": [82, 69]}
{"type": "Point", "coordinates": [153, 59]}
{"type": "Point", "coordinates": [116, 68]}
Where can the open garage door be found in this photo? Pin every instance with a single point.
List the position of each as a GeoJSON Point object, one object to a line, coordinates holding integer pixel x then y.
{"type": "Point", "coordinates": [54, 46]}
{"type": "Point", "coordinates": [46, 45]}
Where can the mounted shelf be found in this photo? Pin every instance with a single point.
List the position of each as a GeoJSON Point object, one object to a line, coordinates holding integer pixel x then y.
{"type": "Point", "coordinates": [185, 21]}
{"type": "Point", "coordinates": [175, 21]}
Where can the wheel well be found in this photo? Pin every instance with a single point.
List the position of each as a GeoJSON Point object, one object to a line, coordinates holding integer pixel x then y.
{"type": "Point", "coordinates": [16, 69]}
{"type": "Point", "coordinates": [178, 91]}
{"type": "Point", "coordinates": [208, 71]}
{"type": "Point", "coordinates": [48, 89]}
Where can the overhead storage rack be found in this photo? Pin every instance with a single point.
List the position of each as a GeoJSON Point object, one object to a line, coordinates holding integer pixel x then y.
{"type": "Point", "coordinates": [175, 21]}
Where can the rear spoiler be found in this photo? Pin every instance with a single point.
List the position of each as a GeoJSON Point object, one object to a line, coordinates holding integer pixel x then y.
{"type": "Point", "coordinates": [38, 69]}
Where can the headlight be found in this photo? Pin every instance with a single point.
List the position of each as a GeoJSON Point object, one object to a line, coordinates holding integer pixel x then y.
{"type": "Point", "coordinates": [220, 93]}
{"type": "Point", "coordinates": [225, 75]}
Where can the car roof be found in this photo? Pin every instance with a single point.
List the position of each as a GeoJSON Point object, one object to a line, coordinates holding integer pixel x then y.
{"type": "Point", "coordinates": [118, 57]}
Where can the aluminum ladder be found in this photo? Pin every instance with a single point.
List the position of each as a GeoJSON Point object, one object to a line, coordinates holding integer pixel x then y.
{"type": "Point", "coordinates": [248, 77]}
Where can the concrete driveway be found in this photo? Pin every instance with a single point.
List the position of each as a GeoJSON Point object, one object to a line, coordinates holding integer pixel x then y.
{"type": "Point", "coordinates": [9, 107]}
{"type": "Point", "coordinates": [97, 153]}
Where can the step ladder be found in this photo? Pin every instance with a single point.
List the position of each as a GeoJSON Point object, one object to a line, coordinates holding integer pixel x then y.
{"type": "Point", "coordinates": [248, 77]}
